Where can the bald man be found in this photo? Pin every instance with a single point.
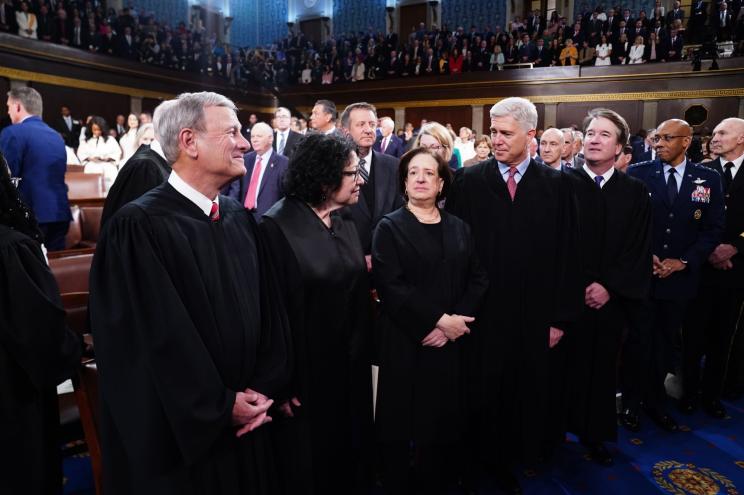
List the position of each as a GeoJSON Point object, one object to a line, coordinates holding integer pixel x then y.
{"type": "Point", "coordinates": [688, 221]}
{"type": "Point", "coordinates": [551, 146]}
{"type": "Point", "coordinates": [261, 186]}
{"type": "Point", "coordinates": [714, 314]}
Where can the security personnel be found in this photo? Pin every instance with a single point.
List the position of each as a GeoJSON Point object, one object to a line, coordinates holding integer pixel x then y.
{"type": "Point", "coordinates": [688, 221]}
{"type": "Point", "coordinates": [711, 325]}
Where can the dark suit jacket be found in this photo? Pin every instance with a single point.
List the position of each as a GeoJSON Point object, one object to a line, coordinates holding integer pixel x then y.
{"type": "Point", "coordinates": [687, 229]}
{"type": "Point", "coordinates": [271, 189]}
{"type": "Point", "coordinates": [36, 153]}
{"type": "Point", "coordinates": [71, 136]}
{"type": "Point", "coordinates": [387, 199]}
{"type": "Point", "coordinates": [733, 232]}
{"type": "Point", "coordinates": [639, 152]}
{"type": "Point", "coordinates": [672, 16]}
{"type": "Point", "coordinates": [292, 139]}
{"type": "Point", "coordinates": [395, 148]}
{"type": "Point", "coordinates": [677, 46]}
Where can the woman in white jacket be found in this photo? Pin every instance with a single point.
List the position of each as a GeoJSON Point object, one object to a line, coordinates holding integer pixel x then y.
{"type": "Point", "coordinates": [636, 51]}
{"type": "Point", "coordinates": [128, 141]}
{"type": "Point", "coordinates": [100, 153]}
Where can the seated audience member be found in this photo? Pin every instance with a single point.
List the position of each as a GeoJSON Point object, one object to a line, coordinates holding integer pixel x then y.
{"type": "Point", "coordinates": [624, 158]}
{"type": "Point", "coordinates": [38, 351]}
{"type": "Point", "coordinates": [100, 153]}
{"type": "Point", "coordinates": [674, 46]}
{"type": "Point", "coordinates": [26, 21]}
{"type": "Point", "coordinates": [127, 141]}
{"type": "Point", "coordinates": [436, 138]}
{"type": "Point", "coordinates": [635, 55]}
{"type": "Point", "coordinates": [483, 149]}
{"type": "Point", "coordinates": [423, 322]}
{"type": "Point", "coordinates": [464, 145]}
{"type": "Point", "coordinates": [620, 50]}
{"type": "Point", "coordinates": [145, 169]}
{"type": "Point", "coordinates": [586, 54]}
{"type": "Point", "coordinates": [496, 62]}
{"type": "Point", "coordinates": [262, 184]}
{"type": "Point", "coordinates": [543, 57]}
{"type": "Point", "coordinates": [652, 50]}
{"type": "Point", "coordinates": [185, 370]}
{"type": "Point", "coordinates": [36, 156]}
{"type": "Point", "coordinates": [319, 259]}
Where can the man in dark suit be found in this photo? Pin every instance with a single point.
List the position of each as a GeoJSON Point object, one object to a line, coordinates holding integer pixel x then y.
{"type": "Point", "coordinates": [36, 154]}
{"type": "Point", "coordinates": [261, 186]}
{"type": "Point", "coordinates": [713, 316]}
{"type": "Point", "coordinates": [674, 46]}
{"type": "Point", "coordinates": [527, 52]}
{"type": "Point", "coordinates": [535, 23]}
{"type": "Point", "coordinates": [380, 193]}
{"type": "Point", "coordinates": [387, 142]}
{"type": "Point", "coordinates": [69, 127]}
{"type": "Point", "coordinates": [323, 117]}
{"type": "Point", "coordinates": [643, 149]}
{"type": "Point", "coordinates": [7, 17]}
{"type": "Point", "coordinates": [688, 220]}
{"type": "Point", "coordinates": [698, 18]}
{"type": "Point", "coordinates": [286, 139]}
{"type": "Point", "coordinates": [543, 54]}
{"type": "Point", "coordinates": [723, 22]}
{"type": "Point", "coordinates": [675, 13]}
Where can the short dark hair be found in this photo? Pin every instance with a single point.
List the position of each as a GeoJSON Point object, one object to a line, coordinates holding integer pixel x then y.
{"type": "Point", "coordinates": [328, 107]}
{"type": "Point", "coordinates": [443, 170]}
{"type": "Point", "coordinates": [362, 105]}
{"type": "Point", "coordinates": [316, 165]}
{"type": "Point", "coordinates": [621, 126]}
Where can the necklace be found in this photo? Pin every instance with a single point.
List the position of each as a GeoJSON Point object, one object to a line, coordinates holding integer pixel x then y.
{"type": "Point", "coordinates": [434, 219]}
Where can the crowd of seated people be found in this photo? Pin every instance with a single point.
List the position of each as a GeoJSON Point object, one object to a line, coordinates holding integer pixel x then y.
{"type": "Point", "coordinates": [599, 37]}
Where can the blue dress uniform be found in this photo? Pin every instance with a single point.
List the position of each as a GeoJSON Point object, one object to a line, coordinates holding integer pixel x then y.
{"type": "Point", "coordinates": [688, 229]}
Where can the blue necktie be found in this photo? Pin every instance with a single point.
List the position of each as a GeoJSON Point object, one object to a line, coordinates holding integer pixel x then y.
{"type": "Point", "coordinates": [672, 186]}
{"type": "Point", "coordinates": [598, 179]}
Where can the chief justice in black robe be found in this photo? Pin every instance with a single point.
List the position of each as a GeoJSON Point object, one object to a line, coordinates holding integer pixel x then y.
{"type": "Point", "coordinates": [145, 170]}
{"type": "Point", "coordinates": [188, 326]}
{"type": "Point", "coordinates": [324, 441]}
{"type": "Point", "coordinates": [37, 352]}
{"type": "Point", "coordinates": [528, 246]}
{"type": "Point", "coordinates": [615, 220]}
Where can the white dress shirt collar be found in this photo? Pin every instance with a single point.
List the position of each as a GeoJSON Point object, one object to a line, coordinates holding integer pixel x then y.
{"type": "Point", "coordinates": [605, 175]}
{"type": "Point", "coordinates": [200, 200]}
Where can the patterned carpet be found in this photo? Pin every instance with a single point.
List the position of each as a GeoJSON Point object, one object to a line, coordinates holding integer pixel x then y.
{"type": "Point", "coordinates": [705, 458]}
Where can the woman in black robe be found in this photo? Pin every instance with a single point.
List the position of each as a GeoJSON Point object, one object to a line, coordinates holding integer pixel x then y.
{"type": "Point", "coordinates": [324, 439]}
{"type": "Point", "coordinates": [427, 275]}
{"type": "Point", "coordinates": [37, 352]}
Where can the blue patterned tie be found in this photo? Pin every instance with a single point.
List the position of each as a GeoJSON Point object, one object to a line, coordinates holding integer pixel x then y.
{"type": "Point", "coordinates": [598, 179]}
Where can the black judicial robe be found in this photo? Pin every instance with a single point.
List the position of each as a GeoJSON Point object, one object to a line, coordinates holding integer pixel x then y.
{"type": "Point", "coordinates": [419, 392]}
{"type": "Point", "coordinates": [615, 235]}
{"type": "Point", "coordinates": [325, 448]}
{"type": "Point", "coordinates": [528, 248]}
{"type": "Point", "coordinates": [37, 352]}
{"type": "Point", "coordinates": [142, 172]}
{"type": "Point", "coordinates": [184, 315]}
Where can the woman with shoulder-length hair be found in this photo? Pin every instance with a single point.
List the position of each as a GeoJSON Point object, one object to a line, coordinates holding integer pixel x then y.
{"type": "Point", "coordinates": [99, 152]}
{"type": "Point", "coordinates": [37, 351]}
{"type": "Point", "coordinates": [325, 435]}
{"type": "Point", "coordinates": [435, 137]}
{"type": "Point", "coordinates": [430, 285]}
{"type": "Point", "coordinates": [483, 149]}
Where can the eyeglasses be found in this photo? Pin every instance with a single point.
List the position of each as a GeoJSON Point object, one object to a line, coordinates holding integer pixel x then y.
{"type": "Point", "coordinates": [434, 147]}
{"type": "Point", "coordinates": [355, 174]}
{"type": "Point", "coordinates": [665, 137]}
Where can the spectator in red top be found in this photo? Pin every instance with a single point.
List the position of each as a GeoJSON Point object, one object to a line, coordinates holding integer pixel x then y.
{"type": "Point", "coordinates": [455, 62]}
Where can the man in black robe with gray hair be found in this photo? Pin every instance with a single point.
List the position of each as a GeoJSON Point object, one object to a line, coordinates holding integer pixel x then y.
{"type": "Point", "coordinates": [191, 337]}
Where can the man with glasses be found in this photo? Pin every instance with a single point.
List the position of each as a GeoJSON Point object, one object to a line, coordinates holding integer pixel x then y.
{"type": "Point", "coordinates": [379, 193]}
{"type": "Point", "coordinates": [688, 219]}
{"type": "Point", "coordinates": [286, 139]}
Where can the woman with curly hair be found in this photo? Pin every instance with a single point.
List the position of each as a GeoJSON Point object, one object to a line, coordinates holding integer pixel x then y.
{"type": "Point", "coordinates": [325, 434]}
{"type": "Point", "coordinates": [37, 351]}
{"type": "Point", "coordinates": [99, 152]}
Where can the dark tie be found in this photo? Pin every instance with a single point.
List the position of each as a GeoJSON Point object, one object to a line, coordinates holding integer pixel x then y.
{"type": "Point", "coordinates": [511, 182]}
{"type": "Point", "coordinates": [363, 171]}
{"type": "Point", "coordinates": [728, 175]}
{"type": "Point", "coordinates": [214, 213]}
{"type": "Point", "coordinates": [672, 186]}
{"type": "Point", "coordinates": [598, 179]}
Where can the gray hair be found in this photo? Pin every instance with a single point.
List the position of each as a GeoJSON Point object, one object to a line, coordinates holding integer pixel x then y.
{"type": "Point", "coordinates": [141, 130]}
{"type": "Point", "coordinates": [570, 132]}
{"type": "Point", "coordinates": [578, 136]}
{"type": "Point", "coordinates": [29, 98]}
{"type": "Point", "coordinates": [522, 110]}
{"type": "Point", "coordinates": [266, 127]}
{"type": "Point", "coordinates": [185, 112]}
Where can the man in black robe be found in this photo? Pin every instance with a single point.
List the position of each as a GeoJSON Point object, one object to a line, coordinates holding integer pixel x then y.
{"type": "Point", "coordinates": [523, 219]}
{"type": "Point", "coordinates": [615, 219]}
{"type": "Point", "coordinates": [146, 169]}
{"type": "Point", "coordinates": [190, 336]}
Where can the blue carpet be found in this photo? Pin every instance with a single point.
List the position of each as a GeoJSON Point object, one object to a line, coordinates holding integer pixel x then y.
{"type": "Point", "coordinates": [705, 458]}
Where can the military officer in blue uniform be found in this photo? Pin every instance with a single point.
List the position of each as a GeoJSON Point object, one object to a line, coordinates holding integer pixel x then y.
{"type": "Point", "coordinates": [688, 221]}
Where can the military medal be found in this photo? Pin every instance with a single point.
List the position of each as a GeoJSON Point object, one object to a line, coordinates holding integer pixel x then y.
{"type": "Point", "coordinates": [701, 194]}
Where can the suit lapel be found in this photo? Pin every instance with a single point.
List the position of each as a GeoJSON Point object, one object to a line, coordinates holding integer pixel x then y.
{"type": "Point", "coordinates": [738, 182]}
{"type": "Point", "coordinates": [658, 183]}
{"type": "Point", "coordinates": [382, 192]}
{"type": "Point", "coordinates": [268, 173]}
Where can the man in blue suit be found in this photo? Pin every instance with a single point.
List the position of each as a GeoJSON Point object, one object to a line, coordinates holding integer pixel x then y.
{"type": "Point", "coordinates": [261, 186]}
{"type": "Point", "coordinates": [36, 154]}
{"type": "Point", "coordinates": [387, 142]}
{"type": "Point", "coordinates": [688, 221]}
